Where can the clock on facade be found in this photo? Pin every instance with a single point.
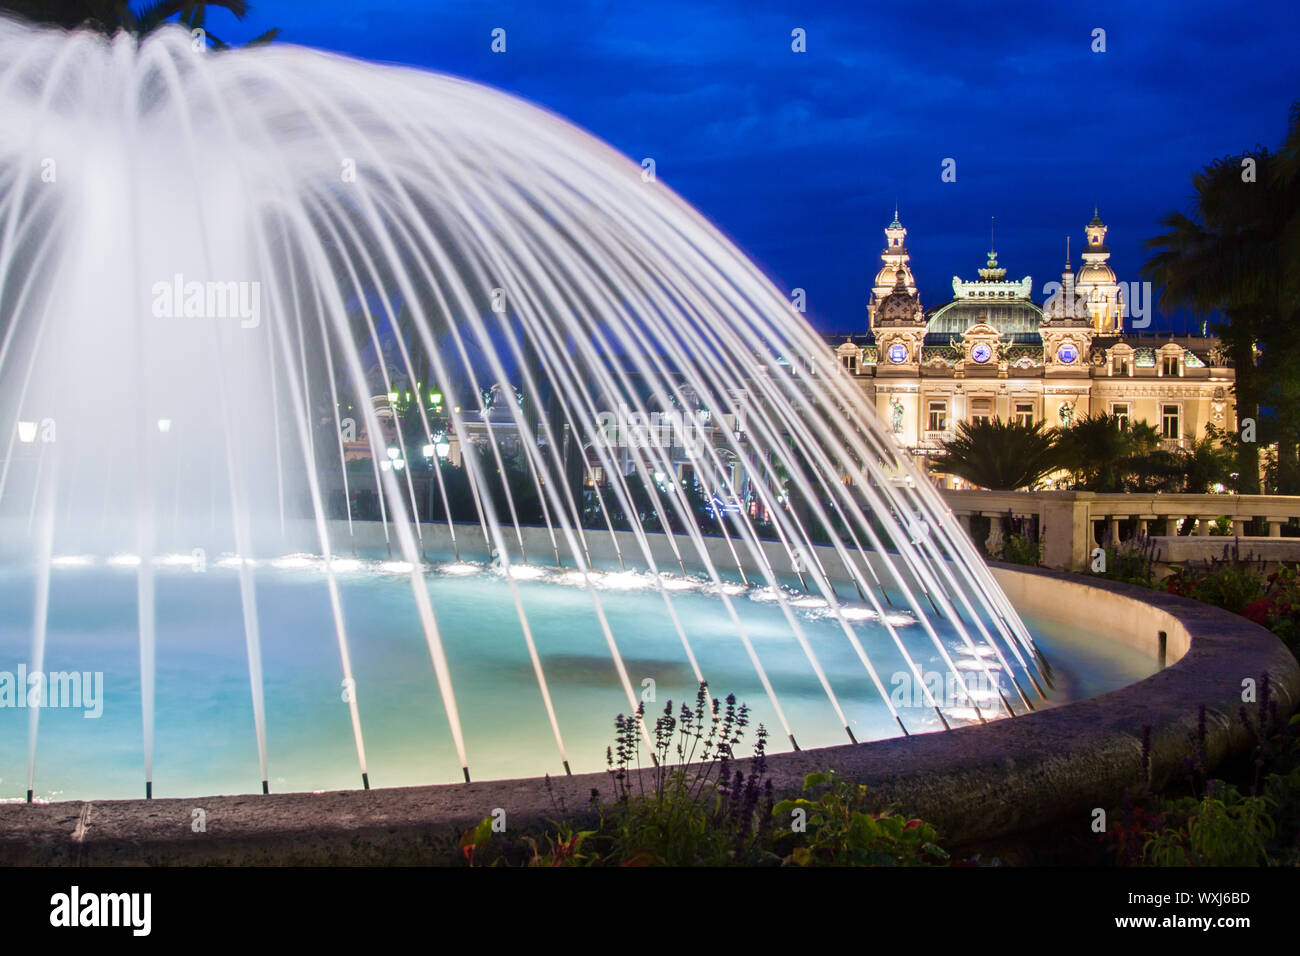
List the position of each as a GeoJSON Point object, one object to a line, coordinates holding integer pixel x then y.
{"type": "Point", "coordinates": [981, 353]}
{"type": "Point", "coordinates": [1067, 353]}
{"type": "Point", "coordinates": [897, 353]}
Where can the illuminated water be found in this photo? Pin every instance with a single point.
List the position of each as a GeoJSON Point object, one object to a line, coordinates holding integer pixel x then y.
{"type": "Point", "coordinates": [205, 741]}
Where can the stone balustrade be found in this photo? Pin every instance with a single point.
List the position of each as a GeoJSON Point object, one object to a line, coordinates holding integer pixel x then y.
{"type": "Point", "coordinates": [1071, 523]}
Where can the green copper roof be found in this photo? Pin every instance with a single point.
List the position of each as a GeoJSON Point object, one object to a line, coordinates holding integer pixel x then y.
{"type": "Point", "coordinates": [1018, 319]}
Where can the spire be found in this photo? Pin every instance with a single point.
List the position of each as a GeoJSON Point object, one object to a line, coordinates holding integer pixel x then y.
{"type": "Point", "coordinates": [1097, 283]}
{"type": "Point", "coordinates": [894, 275]}
{"type": "Point", "coordinates": [992, 272]}
{"type": "Point", "coordinates": [1065, 304]}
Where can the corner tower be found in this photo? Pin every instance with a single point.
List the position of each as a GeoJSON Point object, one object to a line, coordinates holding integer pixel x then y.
{"type": "Point", "coordinates": [1096, 282]}
{"type": "Point", "coordinates": [895, 258]}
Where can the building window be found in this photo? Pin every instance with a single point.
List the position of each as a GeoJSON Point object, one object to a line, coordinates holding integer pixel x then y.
{"type": "Point", "coordinates": [851, 362]}
{"type": "Point", "coordinates": [981, 410]}
{"type": "Point", "coordinates": [1024, 413]}
{"type": "Point", "coordinates": [1123, 365]}
{"type": "Point", "coordinates": [1169, 366]}
{"type": "Point", "coordinates": [938, 416]}
{"type": "Point", "coordinates": [1120, 411]}
{"type": "Point", "coordinates": [1169, 424]}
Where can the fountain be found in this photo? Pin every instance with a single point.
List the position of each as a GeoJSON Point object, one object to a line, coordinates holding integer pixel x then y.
{"type": "Point", "coordinates": [249, 298]}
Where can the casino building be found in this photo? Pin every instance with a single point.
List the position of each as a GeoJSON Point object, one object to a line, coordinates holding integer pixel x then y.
{"type": "Point", "coordinates": [993, 352]}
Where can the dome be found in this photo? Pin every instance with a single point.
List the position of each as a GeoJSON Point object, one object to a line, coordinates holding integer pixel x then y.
{"type": "Point", "coordinates": [887, 276]}
{"type": "Point", "coordinates": [1096, 273]}
{"type": "Point", "coordinates": [1017, 319]}
{"type": "Point", "coordinates": [898, 305]}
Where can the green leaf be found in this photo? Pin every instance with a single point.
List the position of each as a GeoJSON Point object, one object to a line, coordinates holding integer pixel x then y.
{"type": "Point", "coordinates": [801, 856]}
{"type": "Point", "coordinates": [479, 835]}
{"type": "Point", "coordinates": [935, 850]}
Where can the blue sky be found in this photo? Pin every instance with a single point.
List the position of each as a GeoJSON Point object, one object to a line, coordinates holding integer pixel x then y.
{"type": "Point", "coordinates": [800, 158]}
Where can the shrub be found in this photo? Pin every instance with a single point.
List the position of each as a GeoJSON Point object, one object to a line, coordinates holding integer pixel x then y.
{"type": "Point", "coordinates": [1020, 548]}
{"type": "Point", "coordinates": [694, 812]}
{"type": "Point", "coordinates": [842, 831]}
{"type": "Point", "coordinates": [1278, 609]}
{"type": "Point", "coordinates": [1253, 819]}
{"type": "Point", "coordinates": [1132, 561]}
{"type": "Point", "coordinates": [701, 810]}
{"type": "Point", "coordinates": [1222, 828]}
{"type": "Point", "coordinates": [704, 811]}
{"type": "Point", "coordinates": [1230, 582]}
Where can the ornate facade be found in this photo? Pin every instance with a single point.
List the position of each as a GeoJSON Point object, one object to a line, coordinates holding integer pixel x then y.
{"type": "Point", "coordinates": [993, 352]}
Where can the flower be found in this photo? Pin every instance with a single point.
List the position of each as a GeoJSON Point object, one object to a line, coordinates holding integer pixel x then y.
{"type": "Point", "coordinates": [1260, 611]}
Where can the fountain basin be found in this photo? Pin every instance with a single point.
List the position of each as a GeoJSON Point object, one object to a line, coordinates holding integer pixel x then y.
{"type": "Point", "coordinates": [204, 739]}
{"type": "Point", "coordinates": [974, 783]}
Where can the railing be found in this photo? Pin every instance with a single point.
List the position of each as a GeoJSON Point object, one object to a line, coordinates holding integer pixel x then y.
{"type": "Point", "coordinates": [1071, 522]}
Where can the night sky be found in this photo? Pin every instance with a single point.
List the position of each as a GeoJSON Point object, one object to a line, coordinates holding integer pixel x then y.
{"type": "Point", "coordinates": [800, 157]}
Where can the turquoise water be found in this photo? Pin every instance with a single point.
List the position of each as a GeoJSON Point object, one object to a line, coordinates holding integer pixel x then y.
{"type": "Point", "coordinates": [205, 739]}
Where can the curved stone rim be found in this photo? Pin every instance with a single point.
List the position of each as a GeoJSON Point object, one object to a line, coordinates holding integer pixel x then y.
{"type": "Point", "coordinates": [974, 783]}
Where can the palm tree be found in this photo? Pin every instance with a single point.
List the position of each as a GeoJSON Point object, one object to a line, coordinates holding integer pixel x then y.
{"type": "Point", "coordinates": [1203, 463]}
{"type": "Point", "coordinates": [1148, 466]}
{"type": "Point", "coordinates": [110, 16]}
{"type": "Point", "coordinates": [1237, 253]}
{"type": "Point", "coordinates": [1002, 456]}
{"type": "Point", "coordinates": [192, 14]}
{"type": "Point", "coordinates": [1281, 341]}
{"type": "Point", "coordinates": [1201, 264]}
{"type": "Point", "coordinates": [1097, 450]}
